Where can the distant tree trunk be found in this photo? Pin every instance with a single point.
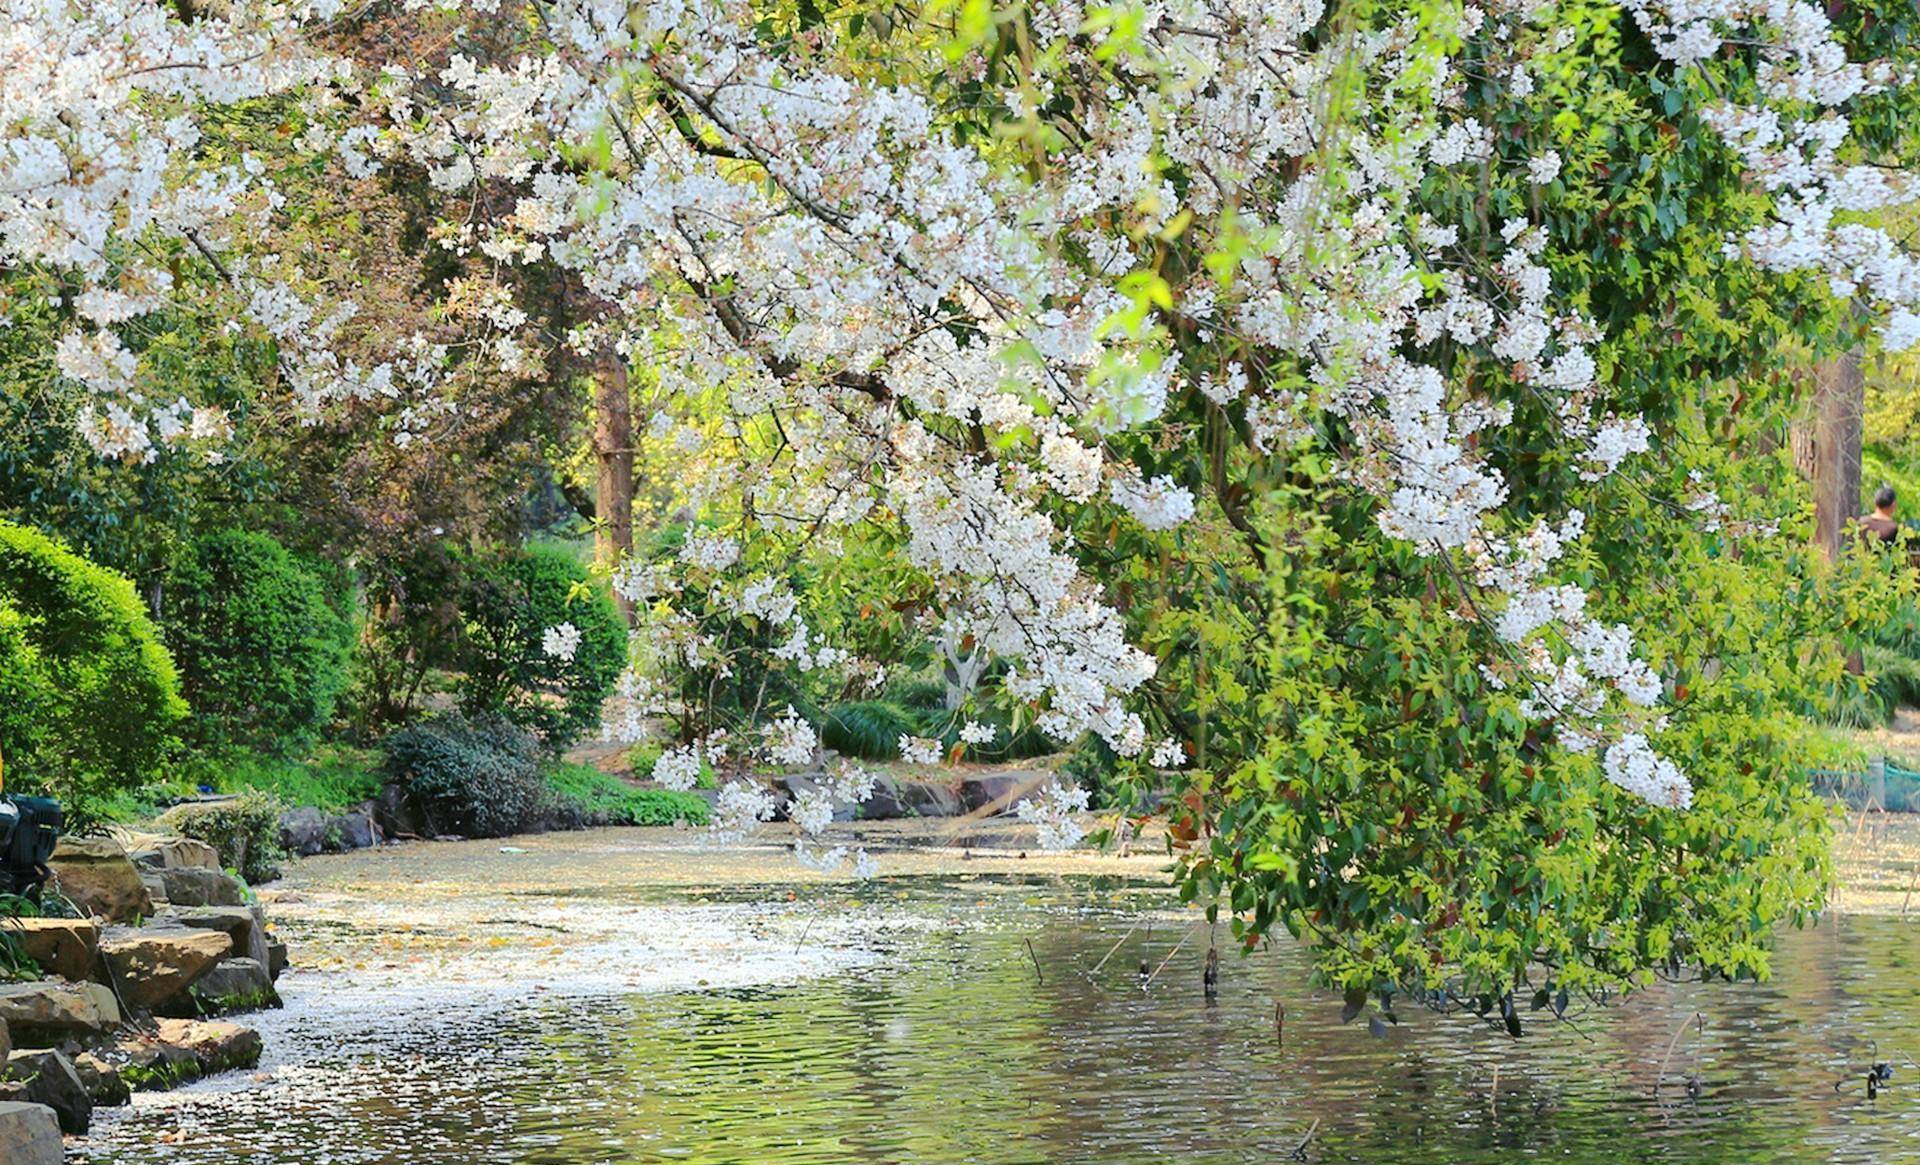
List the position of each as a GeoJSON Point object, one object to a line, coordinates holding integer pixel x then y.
{"type": "Point", "coordinates": [613, 457]}
{"type": "Point", "coordinates": [1839, 404]}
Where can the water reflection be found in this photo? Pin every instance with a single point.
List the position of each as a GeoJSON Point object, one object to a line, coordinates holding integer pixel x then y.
{"type": "Point", "coordinates": [954, 1047]}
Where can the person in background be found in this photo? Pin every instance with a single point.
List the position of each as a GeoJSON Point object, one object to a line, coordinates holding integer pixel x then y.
{"type": "Point", "coordinates": [1880, 526]}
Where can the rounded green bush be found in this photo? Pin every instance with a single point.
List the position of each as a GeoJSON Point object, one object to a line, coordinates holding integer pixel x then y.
{"type": "Point", "coordinates": [89, 699]}
{"type": "Point", "coordinates": [476, 778]}
{"type": "Point", "coordinates": [262, 654]}
{"type": "Point", "coordinates": [506, 609]}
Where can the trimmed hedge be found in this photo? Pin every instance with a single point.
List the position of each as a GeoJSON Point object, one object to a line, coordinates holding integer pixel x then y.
{"type": "Point", "coordinates": [89, 698]}
{"type": "Point", "coordinates": [262, 654]}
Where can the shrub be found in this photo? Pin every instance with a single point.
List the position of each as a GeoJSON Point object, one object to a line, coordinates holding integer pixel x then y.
{"type": "Point", "coordinates": [89, 698]}
{"type": "Point", "coordinates": [262, 655]}
{"type": "Point", "coordinates": [245, 829]}
{"type": "Point", "coordinates": [868, 729]}
{"type": "Point", "coordinates": [603, 799]}
{"type": "Point", "coordinates": [477, 778]}
{"type": "Point", "coordinates": [506, 610]}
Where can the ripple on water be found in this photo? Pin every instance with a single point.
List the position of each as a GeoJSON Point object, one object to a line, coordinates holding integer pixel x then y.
{"type": "Point", "coordinates": [910, 1025]}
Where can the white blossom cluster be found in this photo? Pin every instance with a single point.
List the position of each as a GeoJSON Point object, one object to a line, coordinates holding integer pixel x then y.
{"type": "Point", "coordinates": [739, 810]}
{"type": "Point", "coordinates": [919, 750]}
{"type": "Point", "coordinates": [1054, 815]}
{"type": "Point", "coordinates": [1792, 136]}
{"type": "Point", "coordinates": [561, 642]}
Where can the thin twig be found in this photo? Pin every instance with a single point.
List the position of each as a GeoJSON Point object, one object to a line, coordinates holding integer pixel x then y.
{"type": "Point", "coordinates": [1672, 1044]}
{"type": "Point", "coordinates": [1170, 954]}
{"type": "Point", "coordinates": [1110, 950]}
{"type": "Point", "coordinates": [1036, 964]}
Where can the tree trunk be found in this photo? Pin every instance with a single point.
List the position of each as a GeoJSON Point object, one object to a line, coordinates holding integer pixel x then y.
{"type": "Point", "coordinates": [1839, 402]}
{"type": "Point", "coordinates": [613, 458]}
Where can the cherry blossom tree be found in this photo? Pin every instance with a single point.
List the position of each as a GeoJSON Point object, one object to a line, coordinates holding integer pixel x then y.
{"type": "Point", "coordinates": [1285, 289]}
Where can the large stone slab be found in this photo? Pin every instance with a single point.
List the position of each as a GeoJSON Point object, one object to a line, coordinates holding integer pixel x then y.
{"type": "Point", "coordinates": [158, 963]}
{"type": "Point", "coordinates": [96, 874]}
{"type": "Point", "coordinates": [49, 1078]}
{"type": "Point", "coordinates": [193, 886]}
{"type": "Point", "coordinates": [29, 1134]}
{"type": "Point", "coordinates": [61, 946]}
{"type": "Point", "coordinates": [244, 925]}
{"type": "Point", "coordinates": [48, 1012]}
{"type": "Point", "coordinates": [174, 853]}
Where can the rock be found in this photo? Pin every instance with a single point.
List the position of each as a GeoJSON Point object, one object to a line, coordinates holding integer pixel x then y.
{"type": "Point", "coordinates": [886, 802]}
{"type": "Point", "coordinates": [349, 831]}
{"type": "Point", "coordinates": [276, 959]}
{"type": "Point", "coordinates": [396, 813]}
{"type": "Point", "coordinates": [218, 1046]}
{"type": "Point", "coordinates": [49, 1078]}
{"type": "Point", "coordinates": [145, 1064]}
{"type": "Point", "coordinates": [797, 783]}
{"type": "Point", "coordinates": [303, 831]}
{"type": "Point", "coordinates": [156, 888]}
{"type": "Point", "coordinates": [234, 985]}
{"type": "Point", "coordinates": [50, 1011]}
{"type": "Point", "coordinates": [100, 879]}
{"type": "Point", "coordinates": [30, 1134]}
{"type": "Point", "coordinates": [62, 946]}
{"type": "Point", "coordinates": [175, 853]}
{"type": "Point", "coordinates": [193, 886]}
{"type": "Point", "coordinates": [102, 1080]}
{"type": "Point", "coordinates": [245, 926]}
{"type": "Point", "coordinates": [999, 792]}
{"type": "Point", "coordinates": [930, 799]}
{"type": "Point", "coordinates": [158, 963]}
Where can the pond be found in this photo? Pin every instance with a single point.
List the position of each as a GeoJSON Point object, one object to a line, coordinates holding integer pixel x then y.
{"type": "Point", "coordinates": [1003, 1019]}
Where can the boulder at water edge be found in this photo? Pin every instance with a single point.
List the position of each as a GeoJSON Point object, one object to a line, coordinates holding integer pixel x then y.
{"type": "Point", "coordinates": [61, 946]}
{"type": "Point", "coordinates": [244, 926]}
{"type": "Point", "coordinates": [100, 879]}
{"type": "Point", "coordinates": [47, 1012]}
{"type": "Point", "coordinates": [179, 1050]}
{"type": "Point", "coordinates": [48, 1078]}
{"type": "Point", "coordinates": [354, 829]}
{"type": "Point", "coordinates": [1000, 792]}
{"type": "Point", "coordinates": [102, 1080]}
{"type": "Point", "coordinates": [29, 1134]}
{"type": "Point", "coordinates": [303, 831]}
{"type": "Point", "coordinates": [158, 963]}
{"type": "Point", "coordinates": [193, 886]}
{"type": "Point", "coordinates": [233, 986]}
